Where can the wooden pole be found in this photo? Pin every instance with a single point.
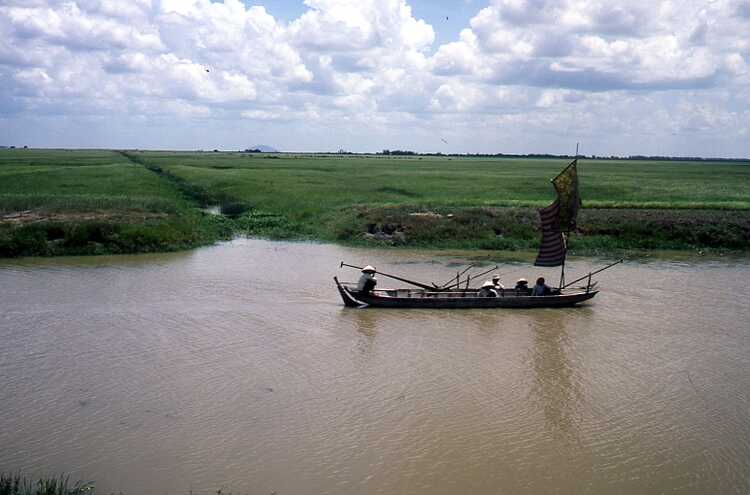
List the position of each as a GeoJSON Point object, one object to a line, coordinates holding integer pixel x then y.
{"type": "Point", "coordinates": [462, 272]}
{"type": "Point", "coordinates": [565, 257]}
{"type": "Point", "coordinates": [472, 276]}
{"type": "Point", "coordinates": [412, 282]}
{"type": "Point", "coordinates": [593, 273]}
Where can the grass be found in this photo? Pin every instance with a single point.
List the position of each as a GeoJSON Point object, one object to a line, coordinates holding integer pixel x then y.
{"type": "Point", "coordinates": [21, 485]}
{"type": "Point", "coordinates": [93, 202]}
{"type": "Point", "coordinates": [476, 203]}
{"type": "Point", "coordinates": [301, 184]}
{"type": "Point", "coordinates": [484, 203]}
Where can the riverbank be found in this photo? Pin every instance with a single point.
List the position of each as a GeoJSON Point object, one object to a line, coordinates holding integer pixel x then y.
{"type": "Point", "coordinates": [17, 484]}
{"type": "Point", "coordinates": [55, 202]}
{"type": "Point", "coordinates": [600, 230]}
{"type": "Point", "coordinates": [58, 202]}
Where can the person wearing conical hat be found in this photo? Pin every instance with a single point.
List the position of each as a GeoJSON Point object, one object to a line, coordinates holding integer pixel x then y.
{"type": "Point", "coordinates": [487, 290]}
{"type": "Point", "coordinates": [522, 286]}
{"type": "Point", "coordinates": [496, 282]}
{"type": "Point", "coordinates": [367, 280]}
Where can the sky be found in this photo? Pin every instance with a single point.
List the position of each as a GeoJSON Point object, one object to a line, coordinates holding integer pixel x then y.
{"type": "Point", "coordinates": [635, 77]}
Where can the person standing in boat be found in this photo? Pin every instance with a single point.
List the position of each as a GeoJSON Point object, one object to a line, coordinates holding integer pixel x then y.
{"type": "Point", "coordinates": [541, 289]}
{"type": "Point", "coordinates": [367, 280]}
{"type": "Point", "coordinates": [487, 290]}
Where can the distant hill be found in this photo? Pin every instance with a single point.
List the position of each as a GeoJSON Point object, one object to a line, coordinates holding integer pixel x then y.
{"type": "Point", "coordinates": [264, 148]}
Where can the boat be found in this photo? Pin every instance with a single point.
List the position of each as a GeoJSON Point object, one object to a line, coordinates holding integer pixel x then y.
{"type": "Point", "coordinates": [466, 298]}
{"type": "Point", "coordinates": [557, 221]}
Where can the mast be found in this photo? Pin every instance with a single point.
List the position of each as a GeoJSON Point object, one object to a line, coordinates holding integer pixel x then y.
{"type": "Point", "coordinates": [565, 237]}
{"type": "Point", "coordinates": [562, 267]}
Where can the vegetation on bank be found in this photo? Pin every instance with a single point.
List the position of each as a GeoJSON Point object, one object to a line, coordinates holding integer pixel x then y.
{"type": "Point", "coordinates": [474, 203]}
{"type": "Point", "coordinates": [600, 230]}
{"type": "Point", "coordinates": [93, 202]}
{"type": "Point", "coordinates": [15, 484]}
{"type": "Point", "coordinates": [86, 202]}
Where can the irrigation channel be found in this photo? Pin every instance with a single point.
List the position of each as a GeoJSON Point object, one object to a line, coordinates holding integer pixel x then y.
{"type": "Point", "coordinates": [236, 367]}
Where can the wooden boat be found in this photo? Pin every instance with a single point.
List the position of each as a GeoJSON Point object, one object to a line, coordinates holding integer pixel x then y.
{"type": "Point", "coordinates": [557, 221]}
{"type": "Point", "coordinates": [422, 298]}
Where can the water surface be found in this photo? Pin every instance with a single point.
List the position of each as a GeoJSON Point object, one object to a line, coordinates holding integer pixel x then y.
{"type": "Point", "coordinates": [237, 367]}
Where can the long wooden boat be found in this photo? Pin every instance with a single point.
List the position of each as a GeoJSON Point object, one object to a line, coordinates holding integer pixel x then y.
{"type": "Point", "coordinates": [422, 298]}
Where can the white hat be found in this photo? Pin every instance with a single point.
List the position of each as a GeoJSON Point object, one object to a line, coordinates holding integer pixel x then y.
{"type": "Point", "coordinates": [369, 268]}
{"type": "Point", "coordinates": [487, 283]}
{"type": "Point", "coordinates": [522, 281]}
{"type": "Point", "coordinates": [496, 277]}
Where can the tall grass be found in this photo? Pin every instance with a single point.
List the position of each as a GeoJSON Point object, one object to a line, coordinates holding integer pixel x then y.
{"type": "Point", "coordinates": [15, 484]}
{"type": "Point", "coordinates": [85, 203]}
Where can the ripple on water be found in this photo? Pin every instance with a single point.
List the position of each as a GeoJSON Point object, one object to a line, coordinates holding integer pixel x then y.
{"type": "Point", "coordinates": [236, 367]}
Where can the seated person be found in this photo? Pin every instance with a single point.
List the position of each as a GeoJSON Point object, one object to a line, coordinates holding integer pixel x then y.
{"type": "Point", "coordinates": [496, 282]}
{"type": "Point", "coordinates": [541, 289]}
{"type": "Point", "coordinates": [367, 280]}
{"type": "Point", "coordinates": [522, 286]}
{"type": "Point", "coordinates": [487, 290]}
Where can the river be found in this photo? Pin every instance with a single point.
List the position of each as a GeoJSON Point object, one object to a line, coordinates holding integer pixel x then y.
{"type": "Point", "coordinates": [236, 367]}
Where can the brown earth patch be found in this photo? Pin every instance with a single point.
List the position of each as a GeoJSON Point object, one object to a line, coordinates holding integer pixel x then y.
{"type": "Point", "coordinates": [31, 216]}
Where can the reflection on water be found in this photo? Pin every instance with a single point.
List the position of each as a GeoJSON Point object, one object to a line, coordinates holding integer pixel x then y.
{"type": "Point", "coordinates": [557, 388]}
{"type": "Point", "coordinates": [236, 367]}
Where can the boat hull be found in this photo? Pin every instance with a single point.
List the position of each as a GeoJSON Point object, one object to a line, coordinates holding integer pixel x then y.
{"type": "Point", "coordinates": [464, 300]}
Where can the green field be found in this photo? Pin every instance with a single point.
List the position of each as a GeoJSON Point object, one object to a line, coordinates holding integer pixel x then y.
{"type": "Point", "coordinates": [86, 202]}
{"type": "Point", "coordinates": [299, 184]}
{"type": "Point", "coordinates": [485, 203]}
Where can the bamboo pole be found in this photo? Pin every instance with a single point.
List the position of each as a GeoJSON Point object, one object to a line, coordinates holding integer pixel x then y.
{"type": "Point", "coordinates": [412, 282]}
{"type": "Point", "coordinates": [593, 273]}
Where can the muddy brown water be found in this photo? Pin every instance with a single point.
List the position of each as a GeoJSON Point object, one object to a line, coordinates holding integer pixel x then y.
{"type": "Point", "coordinates": [236, 367]}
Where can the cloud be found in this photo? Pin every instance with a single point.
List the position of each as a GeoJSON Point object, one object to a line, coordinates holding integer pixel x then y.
{"type": "Point", "coordinates": [365, 74]}
{"type": "Point", "coordinates": [586, 44]}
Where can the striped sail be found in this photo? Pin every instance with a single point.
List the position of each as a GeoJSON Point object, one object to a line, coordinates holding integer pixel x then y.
{"type": "Point", "coordinates": [559, 217]}
{"type": "Point", "coordinates": [552, 250]}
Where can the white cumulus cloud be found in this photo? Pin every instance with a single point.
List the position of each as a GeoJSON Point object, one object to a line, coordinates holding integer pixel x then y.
{"type": "Point", "coordinates": [521, 76]}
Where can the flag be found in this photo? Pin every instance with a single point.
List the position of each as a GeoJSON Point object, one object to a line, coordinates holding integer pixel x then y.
{"type": "Point", "coordinates": [566, 185]}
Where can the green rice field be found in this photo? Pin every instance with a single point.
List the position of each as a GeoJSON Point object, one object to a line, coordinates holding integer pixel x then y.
{"type": "Point", "coordinates": [419, 201]}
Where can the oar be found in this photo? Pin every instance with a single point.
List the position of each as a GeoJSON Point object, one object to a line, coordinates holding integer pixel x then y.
{"type": "Point", "coordinates": [458, 277]}
{"type": "Point", "coordinates": [470, 277]}
{"type": "Point", "coordinates": [412, 282]}
{"type": "Point", "coordinates": [592, 273]}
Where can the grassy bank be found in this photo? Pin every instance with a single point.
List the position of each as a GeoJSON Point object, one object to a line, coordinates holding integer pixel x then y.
{"type": "Point", "coordinates": [82, 202]}
{"type": "Point", "coordinates": [16, 484]}
{"type": "Point", "coordinates": [474, 203]}
{"type": "Point", "coordinates": [93, 202]}
{"type": "Point", "coordinates": [517, 228]}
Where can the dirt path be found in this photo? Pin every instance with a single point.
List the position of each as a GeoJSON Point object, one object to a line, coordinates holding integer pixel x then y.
{"type": "Point", "coordinates": [31, 216]}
